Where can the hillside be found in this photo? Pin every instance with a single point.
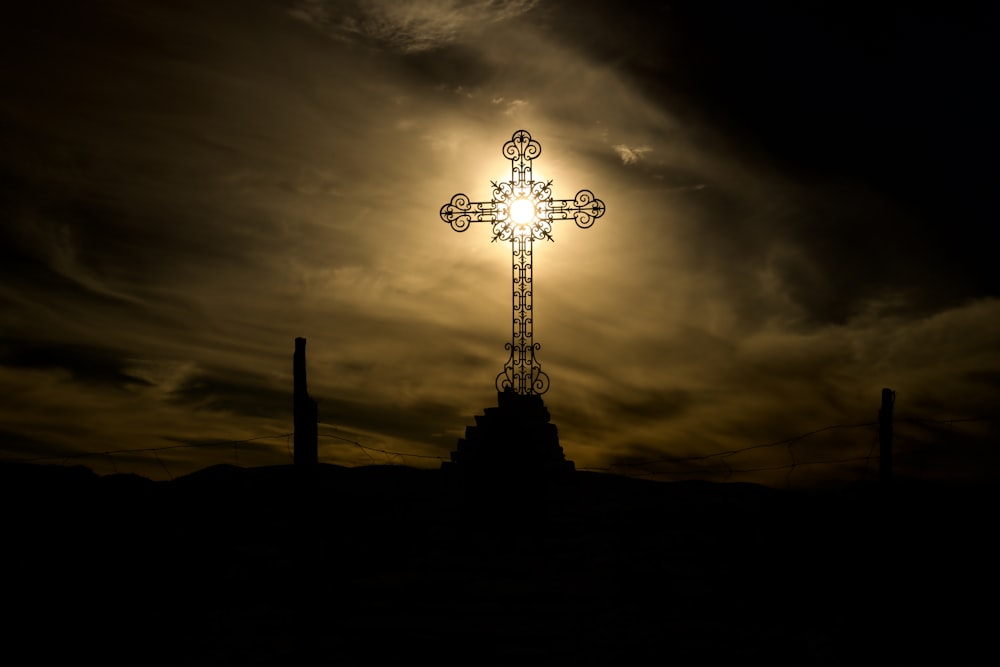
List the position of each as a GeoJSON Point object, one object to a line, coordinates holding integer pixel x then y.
{"type": "Point", "coordinates": [354, 566]}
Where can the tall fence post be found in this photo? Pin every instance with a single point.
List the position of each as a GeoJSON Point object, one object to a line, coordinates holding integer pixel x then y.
{"type": "Point", "coordinates": [885, 435]}
{"type": "Point", "coordinates": [306, 414]}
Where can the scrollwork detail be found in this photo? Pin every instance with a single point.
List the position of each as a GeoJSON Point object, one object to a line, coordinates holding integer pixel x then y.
{"type": "Point", "coordinates": [521, 147]}
{"type": "Point", "coordinates": [587, 208]}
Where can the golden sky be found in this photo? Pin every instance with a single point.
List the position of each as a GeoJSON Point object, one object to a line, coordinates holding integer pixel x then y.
{"type": "Point", "coordinates": [795, 219]}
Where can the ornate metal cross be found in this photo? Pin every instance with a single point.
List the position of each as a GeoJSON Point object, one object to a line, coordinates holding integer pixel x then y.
{"type": "Point", "coordinates": [522, 210]}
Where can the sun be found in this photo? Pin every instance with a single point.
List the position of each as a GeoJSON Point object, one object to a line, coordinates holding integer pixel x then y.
{"type": "Point", "coordinates": [522, 211]}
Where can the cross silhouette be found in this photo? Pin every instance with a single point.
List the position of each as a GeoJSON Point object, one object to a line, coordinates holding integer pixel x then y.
{"type": "Point", "coordinates": [522, 210]}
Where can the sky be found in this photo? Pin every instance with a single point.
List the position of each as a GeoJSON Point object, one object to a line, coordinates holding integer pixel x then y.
{"type": "Point", "coordinates": [799, 214]}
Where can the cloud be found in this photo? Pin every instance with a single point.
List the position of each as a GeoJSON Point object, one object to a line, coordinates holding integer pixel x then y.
{"type": "Point", "coordinates": [241, 200]}
{"type": "Point", "coordinates": [86, 364]}
{"type": "Point", "coordinates": [687, 392]}
{"type": "Point", "coordinates": [631, 154]}
{"type": "Point", "coordinates": [515, 107]}
{"type": "Point", "coordinates": [410, 27]}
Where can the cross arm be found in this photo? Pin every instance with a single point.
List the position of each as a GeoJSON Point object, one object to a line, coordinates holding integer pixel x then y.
{"type": "Point", "coordinates": [460, 212]}
{"type": "Point", "coordinates": [585, 208]}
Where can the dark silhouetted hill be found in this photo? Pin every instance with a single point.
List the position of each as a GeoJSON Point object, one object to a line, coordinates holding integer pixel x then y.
{"type": "Point", "coordinates": [391, 565]}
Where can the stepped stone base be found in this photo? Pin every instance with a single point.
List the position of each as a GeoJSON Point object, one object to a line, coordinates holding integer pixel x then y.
{"type": "Point", "coordinates": [513, 441]}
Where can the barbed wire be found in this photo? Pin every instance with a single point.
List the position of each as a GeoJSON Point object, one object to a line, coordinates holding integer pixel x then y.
{"type": "Point", "coordinates": [141, 450]}
{"type": "Point", "coordinates": [367, 449]}
{"type": "Point", "coordinates": [732, 452]}
{"type": "Point", "coordinates": [730, 471]}
{"type": "Point", "coordinates": [961, 420]}
{"type": "Point", "coordinates": [629, 468]}
{"type": "Point", "coordinates": [221, 443]}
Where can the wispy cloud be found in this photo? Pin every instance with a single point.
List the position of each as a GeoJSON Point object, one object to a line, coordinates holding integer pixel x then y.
{"type": "Point", "coordinates": [410, 27]}
{"type": "Point", "coordinates": [631, 154]}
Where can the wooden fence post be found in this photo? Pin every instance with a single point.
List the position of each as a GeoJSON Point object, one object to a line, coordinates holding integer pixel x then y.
{"type": "Point", "coordinates": [885, 435]}
{"type": "Point", "coordinates": [306, 415]}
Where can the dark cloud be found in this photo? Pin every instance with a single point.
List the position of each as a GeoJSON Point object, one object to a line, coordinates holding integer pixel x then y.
{"type": "Point", "coordinates": [420, 420]}
{"type": "Point", "coordinates": [19, 446]}
{"type": "Point", "coordinates": [84, 363]}
{"type": "Point", "coordinates": [654, 405]}
{"type": "Point", "coordinates": [878, 115]}
{"type": "Point", "coordinates": [231, 392]}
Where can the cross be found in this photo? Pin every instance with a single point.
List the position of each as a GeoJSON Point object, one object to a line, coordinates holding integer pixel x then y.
{"type": "Point", "coordinates": [521, 211]}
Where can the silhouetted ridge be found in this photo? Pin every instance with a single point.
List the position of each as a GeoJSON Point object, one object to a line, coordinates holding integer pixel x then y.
{"type": "Point", "coordinates": [260, 566]}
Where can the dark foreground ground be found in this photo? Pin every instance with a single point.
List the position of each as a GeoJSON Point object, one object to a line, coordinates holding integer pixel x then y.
{"type": "Point", "coordinates": [393, 565]}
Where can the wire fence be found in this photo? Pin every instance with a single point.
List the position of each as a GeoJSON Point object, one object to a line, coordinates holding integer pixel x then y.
{"type": "Point", "coordinates": [683, 465]}
{"type": "Point", "coordinates": [723, 464]}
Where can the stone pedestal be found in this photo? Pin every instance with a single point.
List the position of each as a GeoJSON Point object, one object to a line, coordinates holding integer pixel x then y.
{"type": "Point", "coordinates": [512, 447]}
